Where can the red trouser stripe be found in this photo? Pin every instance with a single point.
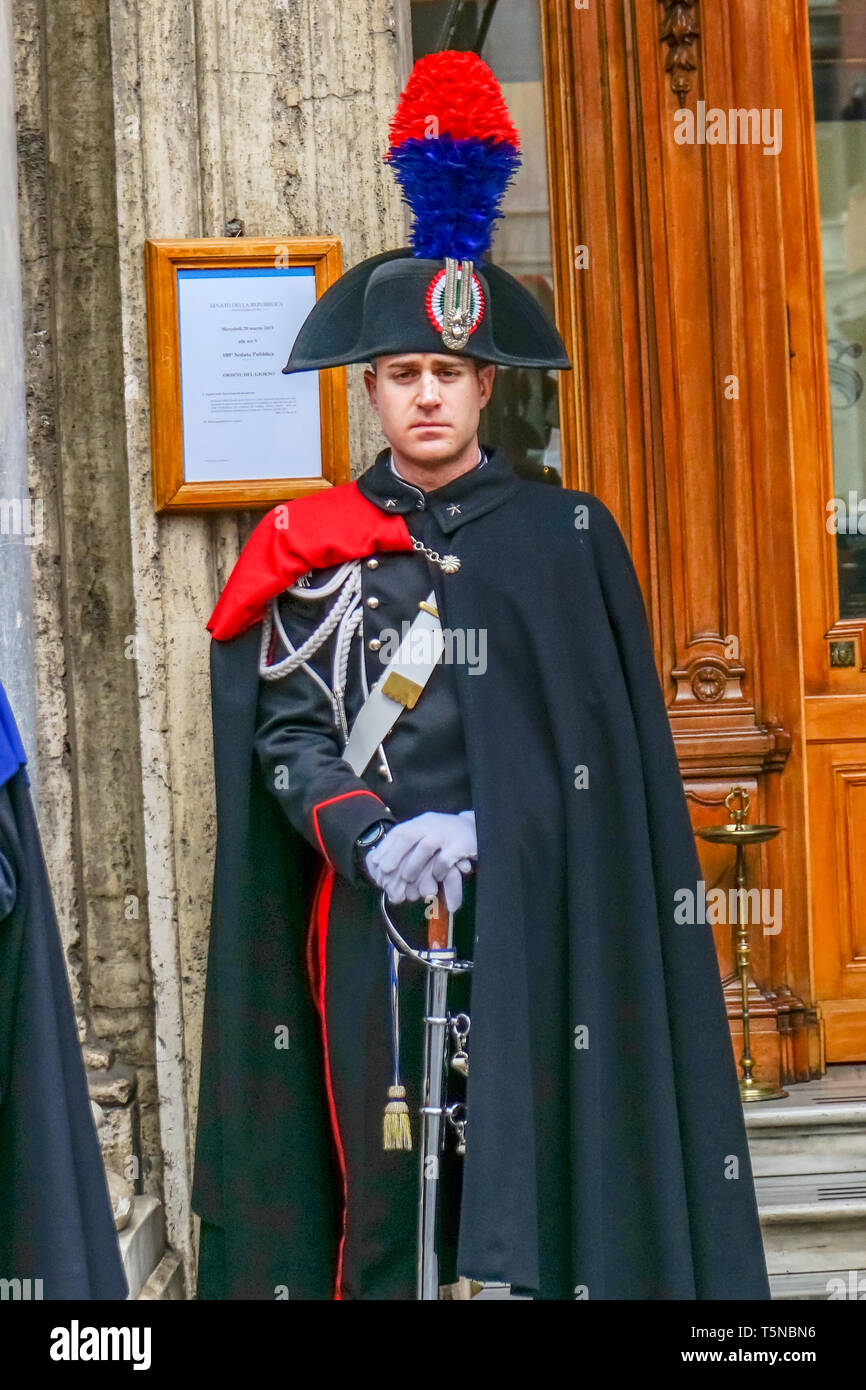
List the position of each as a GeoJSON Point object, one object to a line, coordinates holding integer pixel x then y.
{"type": "Point", "coordinates": [311, 950]}
{"type": "Point", "coordinates": [321, 907]}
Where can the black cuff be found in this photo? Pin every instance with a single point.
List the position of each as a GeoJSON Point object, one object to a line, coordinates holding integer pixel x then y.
{"type": "Point", "coordinates": [339, 821]}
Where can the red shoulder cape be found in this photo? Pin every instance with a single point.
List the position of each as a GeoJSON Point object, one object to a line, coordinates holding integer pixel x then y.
{"type": "Point", "coordinates": [325, 528]}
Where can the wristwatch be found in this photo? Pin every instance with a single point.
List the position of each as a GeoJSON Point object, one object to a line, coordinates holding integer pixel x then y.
{"type": "Point", "coordinates": [370, 837]}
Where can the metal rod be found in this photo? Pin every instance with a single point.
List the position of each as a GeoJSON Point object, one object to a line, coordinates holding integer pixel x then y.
{"type": "Point", "coordinates": [431, 1133]}
{"type": "Point", "coordinates": [446, 35]}
{"type": "Point", "coordinates": [440, 961]}
{"type": "Point", "coordinates": [440, 941]}
{"type": "Point", "coordinates": [484, 26]}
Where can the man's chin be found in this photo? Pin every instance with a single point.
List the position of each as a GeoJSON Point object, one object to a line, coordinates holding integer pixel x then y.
{"type": "Point", "coordinates": [437, 446]}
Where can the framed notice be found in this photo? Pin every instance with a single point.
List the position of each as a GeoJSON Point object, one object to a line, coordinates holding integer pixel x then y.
{"type": "Point", "coordinates": [228, 429]}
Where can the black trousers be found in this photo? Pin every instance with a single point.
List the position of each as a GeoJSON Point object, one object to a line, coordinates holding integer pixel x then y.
{"type": "Point", "coordinates": [378, 1255]}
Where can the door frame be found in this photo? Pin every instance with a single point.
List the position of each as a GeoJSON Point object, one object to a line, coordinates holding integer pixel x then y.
{"type": "Point", "coordinates": [834, 697]}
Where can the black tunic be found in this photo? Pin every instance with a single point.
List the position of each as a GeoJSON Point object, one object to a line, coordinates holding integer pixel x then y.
{"type": "Point", "coordinates": [426, 770]}
{"type": "Point", "coordinates": [427, 767]}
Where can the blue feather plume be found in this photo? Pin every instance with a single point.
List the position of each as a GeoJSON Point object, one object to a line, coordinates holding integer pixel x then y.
{"type": "Point", "coordinates": [454, 189]}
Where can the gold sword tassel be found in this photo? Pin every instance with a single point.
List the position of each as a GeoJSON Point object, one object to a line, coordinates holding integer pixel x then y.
{"type": "Point", "coordinates": [397, 1130]}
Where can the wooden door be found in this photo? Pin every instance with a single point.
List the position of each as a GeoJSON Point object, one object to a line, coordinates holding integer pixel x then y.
{"type": "Point", "coordinates": [689, 289]}
{"type": "Point", "coordinates": [825, 215]}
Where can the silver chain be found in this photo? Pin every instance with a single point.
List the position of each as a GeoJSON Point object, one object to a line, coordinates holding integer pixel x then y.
{"type": "Point", "coordinates": [449, 564]}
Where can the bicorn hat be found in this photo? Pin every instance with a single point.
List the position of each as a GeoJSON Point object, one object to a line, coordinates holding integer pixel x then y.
{"type": "Point", "coordinates": [454, 151]}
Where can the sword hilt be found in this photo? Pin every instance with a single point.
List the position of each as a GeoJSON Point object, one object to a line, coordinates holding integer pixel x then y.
{"type": "Point", "coordinates": [435, 958]}
{"type": "Point", "coordinates": [437, 924]}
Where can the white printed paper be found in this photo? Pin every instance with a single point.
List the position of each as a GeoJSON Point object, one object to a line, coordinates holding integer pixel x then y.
{"type": "Point", "coordinates": [242, 419]}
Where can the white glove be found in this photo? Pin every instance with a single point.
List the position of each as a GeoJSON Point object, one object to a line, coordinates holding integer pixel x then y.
{"type": "Point", "coordinates": [418, 855]}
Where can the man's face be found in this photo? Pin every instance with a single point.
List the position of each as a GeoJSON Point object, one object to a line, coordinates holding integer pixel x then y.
{"type": "Point", "coordinates": [429, 405]}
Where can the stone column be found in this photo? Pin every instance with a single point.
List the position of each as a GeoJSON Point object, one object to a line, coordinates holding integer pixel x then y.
{"type": "Point", "coordinates": [274, 112]}
{"type": "Point", "coordinates": [20, 516]}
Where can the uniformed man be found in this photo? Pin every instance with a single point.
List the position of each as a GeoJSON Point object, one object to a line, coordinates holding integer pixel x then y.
{"type": "Point", "coordinates": [526, 770]}
{"type": "Point", "coordinates": [406, 823]}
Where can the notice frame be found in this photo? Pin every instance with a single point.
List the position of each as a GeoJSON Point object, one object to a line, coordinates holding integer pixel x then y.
{"type": "Point", "coordinates": [216, 422]}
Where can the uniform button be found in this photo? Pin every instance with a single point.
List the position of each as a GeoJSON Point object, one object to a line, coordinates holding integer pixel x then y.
{"type": "Point", "coordinates": [372, 564]}
{"type": "Point", "coordinates": [420, 504]}
{"type": "Point", "coordinates": [374, 644]}
{"type": "Point", "coordinates": [383, 772]}
{"type": "Point", "coordinates": [372, 602]}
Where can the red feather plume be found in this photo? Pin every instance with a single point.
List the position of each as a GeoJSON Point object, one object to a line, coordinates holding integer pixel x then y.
{"type": "Point", "coordinates": [452, 93]}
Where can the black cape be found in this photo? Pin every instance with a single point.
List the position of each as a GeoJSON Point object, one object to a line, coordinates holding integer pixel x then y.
{"type": "Point", "coordinates": [614, 1170]}
{"type": "Point", "coordinates": [56, 1223]}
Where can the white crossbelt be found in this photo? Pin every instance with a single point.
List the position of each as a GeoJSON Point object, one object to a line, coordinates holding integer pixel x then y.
{"type": "Point", "coordinates": [399, 686]}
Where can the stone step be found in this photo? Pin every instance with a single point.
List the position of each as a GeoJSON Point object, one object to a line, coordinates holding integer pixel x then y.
{"type": "Point", "coordinates": [780, 1192]}
{"type": "Point", "coordinates": [808, 1155]}
{"type": "Point", "coordinates": [813, 1227]}
{"type": "Point", "coordinates": [824, 1136]}
{"type": "Point", "coordinates": [838, 1285]}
